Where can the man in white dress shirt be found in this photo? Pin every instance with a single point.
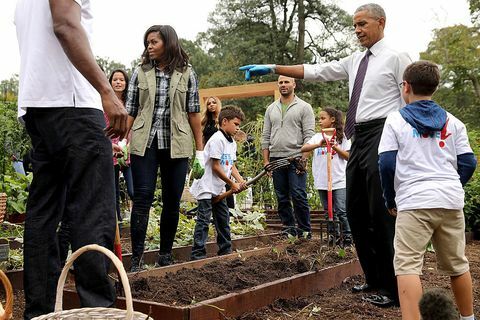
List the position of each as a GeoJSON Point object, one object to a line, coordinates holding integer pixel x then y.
{"type": "Point", "coordinates": [374, 76]}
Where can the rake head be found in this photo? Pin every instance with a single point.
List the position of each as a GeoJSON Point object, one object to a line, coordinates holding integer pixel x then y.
{"type": "Point", "coordinates": [277, 164]}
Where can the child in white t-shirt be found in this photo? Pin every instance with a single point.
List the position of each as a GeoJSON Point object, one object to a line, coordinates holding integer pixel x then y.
{"type": "Point", "coordinates": [424, 159]}
{"type": "Point", "coordinates": [220, 156]}
{"type": "Point", "coordinates": [332, 118]}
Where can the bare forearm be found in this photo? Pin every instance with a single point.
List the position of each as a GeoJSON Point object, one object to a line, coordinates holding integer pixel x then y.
{"type": "Point", "coordinates": [218, 171]}
{"type": "Point", "coordinates": [295, 71]}
{"type": "Point", "coordinates": [341, 153]}
{"type": "Point", "coordinates": [236, 174]}
{"type": "Point", "coordinates": [195, 121]}
{"type": "Point", "coordinates": [73, 39]}
{"type": "Point", "coordinates": [309, 147]}
{"type": "Point", "coordinates": [266, 156]}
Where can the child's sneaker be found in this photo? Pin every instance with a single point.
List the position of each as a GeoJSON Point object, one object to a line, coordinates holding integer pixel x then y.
{"type": "Point", "coordinates": [347, 241]}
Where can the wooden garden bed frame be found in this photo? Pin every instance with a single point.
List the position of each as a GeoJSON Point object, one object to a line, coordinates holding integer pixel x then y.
{"type": "Point", "coordinates": [181, 253]}
{"type": "Point", "coordinates": [235, 304]}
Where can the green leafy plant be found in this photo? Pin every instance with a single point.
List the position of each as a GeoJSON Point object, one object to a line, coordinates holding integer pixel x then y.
{"type": "Point", "coordinates": [16, 188]}
{"type": "Point", "coordinates": [472, 189]}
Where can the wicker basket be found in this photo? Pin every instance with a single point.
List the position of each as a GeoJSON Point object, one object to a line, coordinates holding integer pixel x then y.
{"type": "Point", "coordinates": [3, 206]}
{"type": "Point", "coordinates": [94, 313]}
{"type": "Point", "coordinates": [7, 313]}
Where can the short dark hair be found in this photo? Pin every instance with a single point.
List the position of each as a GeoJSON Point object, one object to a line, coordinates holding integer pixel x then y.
{"type": "Point", "coordinates": [230, 112]}
{"type": "Point", "coordinates": [423, 76]}
{"type": "Point", "coordinates": [437, 304]}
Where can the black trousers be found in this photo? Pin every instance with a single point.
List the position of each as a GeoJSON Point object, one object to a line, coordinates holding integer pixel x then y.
{"type": "Point", "coordinates": [72, 178]}
{"type": "Point", "coordinates": [144, 172]}
{"type": "Point", "coordinates": [372, 227]}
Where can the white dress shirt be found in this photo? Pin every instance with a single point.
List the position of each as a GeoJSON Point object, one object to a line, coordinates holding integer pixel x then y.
{"type": "Point", "coordinates": [381, 91]}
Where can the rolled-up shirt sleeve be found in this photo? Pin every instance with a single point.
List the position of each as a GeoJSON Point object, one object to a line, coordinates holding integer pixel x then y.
{"type": "Point", "coordinates": [132, 95]}
{"type": "Point", "coordinates": [193, 100]}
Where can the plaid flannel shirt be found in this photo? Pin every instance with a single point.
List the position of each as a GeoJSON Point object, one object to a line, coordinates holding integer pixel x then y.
{"type": "Point", "coordinates": [161, 112]}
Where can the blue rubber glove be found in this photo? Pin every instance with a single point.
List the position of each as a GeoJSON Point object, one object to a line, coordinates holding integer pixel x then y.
{"type": "Point", "coordinates": [257, 70]}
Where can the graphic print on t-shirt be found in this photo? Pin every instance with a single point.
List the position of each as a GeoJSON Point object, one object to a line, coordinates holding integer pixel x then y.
{"type": "Point", "coordinates": [439, 135]}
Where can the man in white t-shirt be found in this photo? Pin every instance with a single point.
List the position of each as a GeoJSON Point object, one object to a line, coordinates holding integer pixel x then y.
{"type": "Point", "coordinates": [220, 154]}
{"type": "Point", "coordinates": [60, 104]}
{"type": "Point", "coordinates": [424, 159]}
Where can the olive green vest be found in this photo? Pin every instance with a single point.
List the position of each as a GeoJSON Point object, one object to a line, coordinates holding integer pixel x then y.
{"type": "Point", "coordinates": [181, 137]}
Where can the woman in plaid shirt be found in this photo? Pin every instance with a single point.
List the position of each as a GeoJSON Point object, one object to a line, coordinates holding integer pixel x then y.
{"type": "Point", "coordinates": [163, 107]}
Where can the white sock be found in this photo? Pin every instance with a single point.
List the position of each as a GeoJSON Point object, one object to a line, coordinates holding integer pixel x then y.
{"type": "Point", "coordinates": [472, 317]}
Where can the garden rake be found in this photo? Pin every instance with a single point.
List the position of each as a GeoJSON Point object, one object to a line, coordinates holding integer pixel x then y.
{"type": "Point", "coordinates": [270, 167]}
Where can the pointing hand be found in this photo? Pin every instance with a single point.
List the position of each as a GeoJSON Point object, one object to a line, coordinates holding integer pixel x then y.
{"type": "Point", "coordinates": [257, 70]}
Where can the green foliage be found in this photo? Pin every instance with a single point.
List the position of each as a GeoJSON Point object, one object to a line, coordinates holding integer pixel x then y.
{"type": "Point", "coordinates": [14, 262]}
{"type": "Point", "coordinates": [108, 65]}
{"type": "Point", "coordinates": [475, 11]}
{"type": "Point", "coordinates": [246, 223]}
{"type": "Point", "coordinates": [16, 188]}
{"type": "Point", "coordinates": [11, 230]}
{"type": "Point", "coordinates": [472, 189]}
{"type": "Point", "coordinates": [13, 137]}
{"type": "Point", "coordinates": [457, 49]}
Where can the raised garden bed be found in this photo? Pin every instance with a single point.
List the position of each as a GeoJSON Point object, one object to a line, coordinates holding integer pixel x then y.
{"type": "Point", "coordinates": [180, 254]}
{"type": "Point", "coordinates": [228, 286]}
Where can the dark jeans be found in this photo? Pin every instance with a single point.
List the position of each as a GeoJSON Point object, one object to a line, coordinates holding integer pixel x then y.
{"type": "Point", "coordinates": [127, 175]}
{"type": "Point", "coordinates": [291, 187]}
{"type": "Point", "coordinates": [339, 211]}
{"type": "Point", "coordinates": [144, 172]}
{"type": "Point", "coordinates": [221, 219]}
{"type": "Point", "coordinates": [73, 180]}
{"type": "Point", "coordinates": [372, 227]}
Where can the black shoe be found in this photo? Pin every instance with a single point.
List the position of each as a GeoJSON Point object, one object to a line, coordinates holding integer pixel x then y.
{"type": "Point", "coordinates": [136, 265]}
{"type": "Point", "coordinates": [380, 300]}
{"type": "Point", "coordinates": [164, 260]}
{"type": "Point", "coordinates": [365, 287]}
{"type": "Point", "coordinates": [347, 241]}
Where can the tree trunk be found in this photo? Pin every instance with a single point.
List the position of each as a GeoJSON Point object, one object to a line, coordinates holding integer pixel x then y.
{"type": "Point", "coordinates": [476, 86]}
{"type": "Point", "coordinates": [301, 32]}
{"type": "Point", "coordinates": [274, 30]}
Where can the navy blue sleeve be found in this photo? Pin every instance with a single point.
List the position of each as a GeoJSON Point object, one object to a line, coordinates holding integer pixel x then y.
{"type": "Point", "coordinates": [466, 164]}
{"type": "Point", "coordinates": [386, 163]}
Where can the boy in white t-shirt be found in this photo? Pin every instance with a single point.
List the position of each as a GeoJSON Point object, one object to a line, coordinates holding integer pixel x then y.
{"type": "Point", "coordinates": [332, 118]}
{"type": "Point", "coordinates": [424, 159]}
{"type": "Point", "coordinates": [220, 156]}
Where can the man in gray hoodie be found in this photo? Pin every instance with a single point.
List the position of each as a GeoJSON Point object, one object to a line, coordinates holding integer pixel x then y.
{"type": "Point", "coordinates": [289, 123]}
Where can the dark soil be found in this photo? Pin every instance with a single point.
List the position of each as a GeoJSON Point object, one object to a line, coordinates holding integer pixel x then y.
{"type": "Point", "coordinates": [337, 303]}
{"type": "Point", "coordinates": [341, 304]}
{"type": "Point", "coordinates": [221, 277]}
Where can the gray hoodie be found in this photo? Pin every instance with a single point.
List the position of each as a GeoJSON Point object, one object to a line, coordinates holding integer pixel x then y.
{"type": "Point", "coordinates": [285, 135]}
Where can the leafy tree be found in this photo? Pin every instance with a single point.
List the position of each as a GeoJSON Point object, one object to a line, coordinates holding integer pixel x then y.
{"type": "Point", "coordinates": [456, 49]}
{"type": "Point", "coordinates": [475, 11]}
{"type": "Point", "coordinates": [9, 89]}
{"type": "Point", "coordinates": [273, 31]}
{"type": "Point", "coordinates": [108, 65]}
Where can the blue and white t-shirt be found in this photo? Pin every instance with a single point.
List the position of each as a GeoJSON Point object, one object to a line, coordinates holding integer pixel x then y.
{"type": "Point", "coordinates": [217, 147]}
{"type": "Point", "coordinates": [426, 165]}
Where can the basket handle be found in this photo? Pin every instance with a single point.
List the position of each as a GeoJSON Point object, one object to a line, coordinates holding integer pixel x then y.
{"type": "Point", "coordinates": [116, 262]}
{"type": "Point", "coordinates": [7, 313]}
